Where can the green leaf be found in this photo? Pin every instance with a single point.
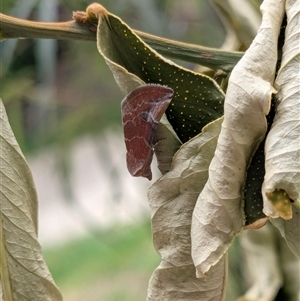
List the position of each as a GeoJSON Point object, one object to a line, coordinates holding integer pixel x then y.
{"type": "Point", "coordinates": [23, 271]}
{"type": "Point", "coordinates": [198, 99]}
{"type": "Point", "coordinates": [172, 199]}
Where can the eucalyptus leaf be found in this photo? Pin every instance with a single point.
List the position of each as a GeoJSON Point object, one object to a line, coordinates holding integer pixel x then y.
{"type": "Point", "coordinates": [219, 214]}
{"type": "Point", "coordinates": [172, 199]}
{"type": "Point", "coordinates": [197, 100]}
{"type": "Point", "coordinates": [24, 274]}
{"type": "Point", "coordinates": [282, 178]}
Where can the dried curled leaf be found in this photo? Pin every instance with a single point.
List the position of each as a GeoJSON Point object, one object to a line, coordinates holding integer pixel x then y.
{"type": "Point", "coordinates": [282, 178]}
{"type": "Point", "coordinates": [167, 144]}
{"type": "Point", "coordinates": [172, 199]}
{"type": "Point", "coordinates": [24, 273]}
{"type": "Point", "coordinates": [219, 214]}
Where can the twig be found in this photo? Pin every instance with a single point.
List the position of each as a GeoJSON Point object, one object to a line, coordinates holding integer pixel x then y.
{"type": "Point", "coordinates": [11, 28]}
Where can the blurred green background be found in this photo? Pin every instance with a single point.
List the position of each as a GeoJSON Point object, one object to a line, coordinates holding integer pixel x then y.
{"type": "Point", "coordinates": [58, 91]}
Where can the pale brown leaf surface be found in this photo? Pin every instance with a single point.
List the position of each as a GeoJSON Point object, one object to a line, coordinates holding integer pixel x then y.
{"type": "Point", "coordinates": [24, 273]}
{"type": "Point", "coordinates": [166, 145]}
{"type": "Point", "coordinates": [283, 142]}
{"type": "Point", "coordinates": [290, 230]}
{"type": "Point", "coordinates": [218, 215]}
{"type": "Point", "coordinates": [172, 199]}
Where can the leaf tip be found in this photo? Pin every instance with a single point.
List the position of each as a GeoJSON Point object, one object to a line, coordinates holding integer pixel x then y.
{"type": "Point", "coordinates": [96, 11]}
{"type": "Point", "coordinates": [93, 12]}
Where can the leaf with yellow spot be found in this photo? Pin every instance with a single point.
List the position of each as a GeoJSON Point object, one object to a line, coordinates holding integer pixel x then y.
{"type": "Point", "coordinates": [197, 101]}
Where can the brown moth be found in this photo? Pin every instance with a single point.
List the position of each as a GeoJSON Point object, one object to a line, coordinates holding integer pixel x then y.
{"type": "Point", "coordinates": [142, 110]}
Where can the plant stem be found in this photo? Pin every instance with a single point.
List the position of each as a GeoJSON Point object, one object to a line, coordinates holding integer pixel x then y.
{"type": "Point", "coordinates": [216, 59]}
{"type": "Point", "coordinates": [12, 28]}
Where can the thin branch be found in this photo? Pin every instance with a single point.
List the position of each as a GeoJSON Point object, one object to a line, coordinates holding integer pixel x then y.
{"type": "Point", "coordinates": [11, 28]}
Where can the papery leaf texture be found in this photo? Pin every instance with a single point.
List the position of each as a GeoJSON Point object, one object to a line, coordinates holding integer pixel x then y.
{"type": "Point", "coordinates": [24, 273]}
{"type": "Point", "coordinates": [172, 199]}
{"type": "Point", "coordinates": [219, 216]}
{"type": "Point", "coordinates": [166, 143]}
{"type": "Point", "coordinates": [281, 186]}
{"type": "Point", "coordinates": [253, 199]}
{"type": "Point", "coordinates": [197, 99]}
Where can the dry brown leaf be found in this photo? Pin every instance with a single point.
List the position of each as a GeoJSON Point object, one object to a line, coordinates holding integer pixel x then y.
{"type": "Point", "coordinates": [282, 178]}
{"type": "Point", "coordinates": [23, 272]}
{"type": "Point", "coordinates": [166, 145]}
{"type": "Point", "coordinates": [218, 215]}
{"type": "Point", "coordinates": [172, 199]}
